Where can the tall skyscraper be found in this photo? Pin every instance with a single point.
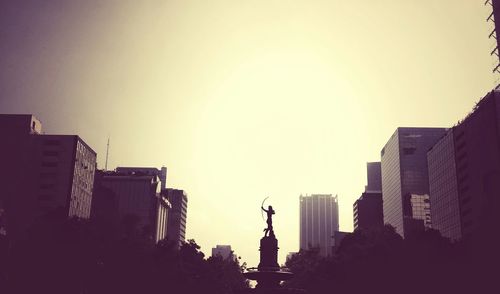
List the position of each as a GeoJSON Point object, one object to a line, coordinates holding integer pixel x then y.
{"type": "Point", "coordinates": [464, 170]}
{"type": "Point", "coordinates": [405, 181]}
{"type": "Point", "coordinates": [178, 215]}
{"type": "Point", "coordinates": [42, 174]}
{"type": "Point", "coordinates": [119, 196]}
{"type": "Point", "coordinates": [319, 219]}
{"type": "Point", "coordinates": [367, 210]}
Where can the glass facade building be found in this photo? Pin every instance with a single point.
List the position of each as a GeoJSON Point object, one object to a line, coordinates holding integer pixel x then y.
{"type": "Point", "coordinates": [443, 188]}
{"type": "Point", "coordinates": [405, 176]}
{"type": "Point", "coordinates": [391, 184]}
{"type": "Point", "coordinates": [319, 219]}
{"type": "Point", "coordinates": [421, 209]}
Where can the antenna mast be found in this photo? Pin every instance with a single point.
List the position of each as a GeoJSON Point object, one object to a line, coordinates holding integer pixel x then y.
{"type": "Point", "coordinates": [107, 154]}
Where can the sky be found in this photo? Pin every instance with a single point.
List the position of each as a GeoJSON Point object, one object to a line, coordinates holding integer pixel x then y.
{"type": "Point", "coordinates": [241, 99]}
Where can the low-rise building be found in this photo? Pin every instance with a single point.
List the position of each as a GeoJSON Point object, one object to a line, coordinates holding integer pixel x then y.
{"type": "Point", "coordinates": [136, 198]}
{"type": "Point", "coordinates": [223, 251]}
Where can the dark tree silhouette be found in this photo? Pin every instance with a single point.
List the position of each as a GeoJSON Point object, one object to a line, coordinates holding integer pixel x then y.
{"type": "Point", "coordinates": [77, 256]}
{"type": "Point", "coordinates": [380, 261]}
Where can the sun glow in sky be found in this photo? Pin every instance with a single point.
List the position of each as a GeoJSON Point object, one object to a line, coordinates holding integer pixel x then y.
{"type": "Point", "coordinates": [245, 99]}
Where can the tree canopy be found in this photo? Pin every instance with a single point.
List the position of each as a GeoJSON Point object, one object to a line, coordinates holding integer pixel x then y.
{"type": "Point", "coordinates": [81, 256]}
{"type": "Point", "coordinates": [380, 261]}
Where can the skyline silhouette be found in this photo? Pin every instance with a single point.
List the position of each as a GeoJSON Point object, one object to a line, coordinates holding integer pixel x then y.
{"type": "Point", "coordinates": [241, 100]}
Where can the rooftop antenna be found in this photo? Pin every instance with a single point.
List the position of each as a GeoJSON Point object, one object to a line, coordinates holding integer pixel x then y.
{"type": "Point", "coordinates": [107, 154]}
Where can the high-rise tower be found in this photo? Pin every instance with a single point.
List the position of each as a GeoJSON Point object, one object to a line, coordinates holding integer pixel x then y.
{"type": "Point", "coordinates": [405, 182]}
{"type": "Point", "coordinates": [319, 219]}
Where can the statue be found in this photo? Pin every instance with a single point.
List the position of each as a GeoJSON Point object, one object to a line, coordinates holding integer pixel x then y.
{"type": "Point", "coordinates": [268, 273]}
{"type": "Point", "coordinates": [269, 212]}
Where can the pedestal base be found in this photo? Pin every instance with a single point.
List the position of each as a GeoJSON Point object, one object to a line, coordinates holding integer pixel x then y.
{"type": "Point", "coordinates": [269, 253]}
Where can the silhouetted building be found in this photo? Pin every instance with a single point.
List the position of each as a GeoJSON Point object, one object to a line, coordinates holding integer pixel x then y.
{"type": "Point", "coordinates": [16, 157]}
{"type": "Point", "coordinates": [223, 251]}
{"type": "Point", "coordinates": [16, 152]}
{"type": "Point", "coordinates": [405, 181]}
{"type": "Point", "coordinates": [477, 155]}
{"type": "Point", "coordinates": [337, 237]}
{"type": "Point", "coordinates": [367, 210]}
{"type": "Point", "coordinates": [374, 177]}
{"type": "Point", "coordinates": [42, 173]}
{"type": "Point", "coordinates": [161, 173]}
{"type": "Point", "coordinates": [319, 219]}
{"type": "Point", "coordinates": [178, 215]}
{"type": "Point", "coordinates": [133, 198]}
{"type": "Point", "coordinates": [464, 172]}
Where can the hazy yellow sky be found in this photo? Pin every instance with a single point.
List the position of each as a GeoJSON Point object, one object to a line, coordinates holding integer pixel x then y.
{"type": "Point", "coordinates": [245, 99]}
